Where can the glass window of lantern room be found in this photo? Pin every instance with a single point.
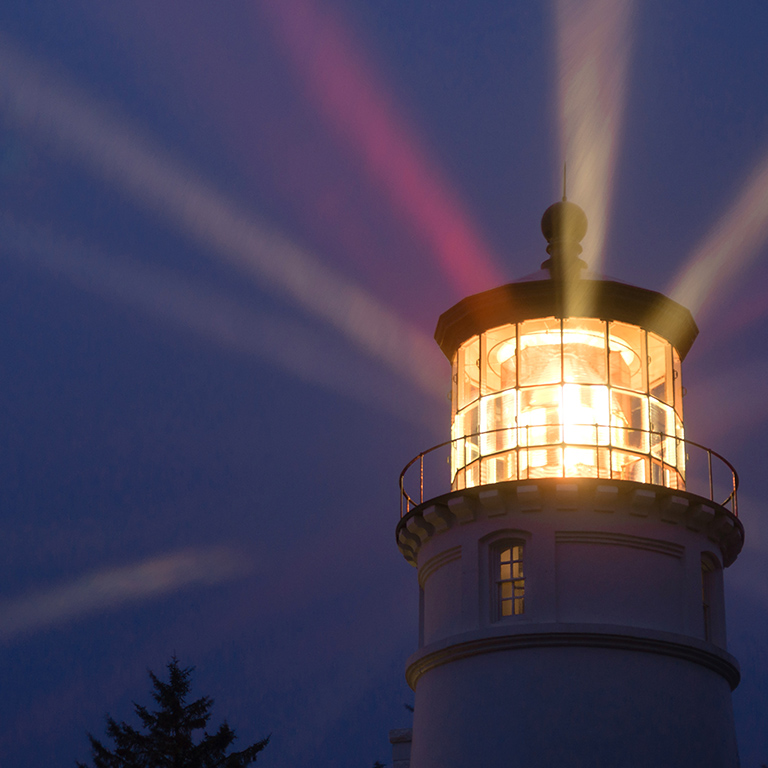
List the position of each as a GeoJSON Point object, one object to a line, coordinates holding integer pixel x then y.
{"type": "Point", "coordinates": [678, 377]}
{"type": "Point", "coordinates": [627, 356]}
{"type": "Point", "coordinates": [584, 351]}
{"type": "Point", "coordinates": [468, 372]}
{"type": "Point", "coordinates": [629, 420]}
{"type": "Point", "coordinates": [508, 579]}
{"type": "Point", "coordinates": [540, 358]}
{"type": "Point", "coordinates": [499, 359]}
{"type": "Point", "coordinates": [660, 368]}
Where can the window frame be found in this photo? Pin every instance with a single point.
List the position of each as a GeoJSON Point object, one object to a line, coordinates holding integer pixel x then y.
{"type": "Point", "coordinates": [499, 564]}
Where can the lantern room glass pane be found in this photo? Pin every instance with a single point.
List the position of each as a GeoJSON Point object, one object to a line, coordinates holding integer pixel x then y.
{"type": "Point", "coordinates": [663, 443]}
{"type": "Point", "coordinates": [498, 416]}
{"type": "Point", "coordinates": [457, 443]}
{"type": "Point", "coordinates": [541, 462]}
{"type": "Point", "coordinates": [660, 368]}
{"type": "Point", "coordinates": [629, 466]}
{"type": "Point", "coordinates": [584, 353]}
{"type": "Point", "coordinates": [540, 359]}
{"type": "Point", "coordinates": [469, 429]}
{"type": "Point", "coordinates": [454, 384]}
{"type": "Point", "coordinates": [539, 416]}
{"type": "Point", "coordinates": [472, 475]}
{"type": "Point", "coordinates": [678, 379]}
{"type": "Point", "coordinates": [499, 359]}
{"type": "Point", "coordinates": [627, 357]}
{"type": "Point", "coordinates": [586, 414]}
{"type": "Point", "coordinates": [680, 449]}
{"type": "Point", "coordinates": [500, 467]}
{"type": "Point", "coordinates": [586, 462]}
{"type": "Point", "coordinates": [629, 420]}
{"type": "Point", "coordinates": [468, 372]}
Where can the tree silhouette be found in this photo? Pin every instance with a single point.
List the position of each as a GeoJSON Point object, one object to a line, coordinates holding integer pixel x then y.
{"type": "Point", "coordinates": [167, 738]}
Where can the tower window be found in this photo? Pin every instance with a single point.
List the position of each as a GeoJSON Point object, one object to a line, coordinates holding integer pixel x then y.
{"type": "Point", "coordinates": [509, 580]}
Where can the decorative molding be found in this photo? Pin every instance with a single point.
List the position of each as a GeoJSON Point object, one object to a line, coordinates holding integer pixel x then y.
{"type": "Point", "coordinates": [619, 540]}
{"type": "Point", "coordinates": [582, 495]}
{"type": "Point", "coordinates": [437, 562]}
{"type": "Point", "coordinates": [641, 642]}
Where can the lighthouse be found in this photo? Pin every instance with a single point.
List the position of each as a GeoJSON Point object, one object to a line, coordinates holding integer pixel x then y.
{"type": "Point", "coordinates": [569, 540]}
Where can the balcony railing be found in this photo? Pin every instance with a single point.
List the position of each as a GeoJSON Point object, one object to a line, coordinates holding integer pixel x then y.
{"type": "Point", "coordinates": [685, 465]}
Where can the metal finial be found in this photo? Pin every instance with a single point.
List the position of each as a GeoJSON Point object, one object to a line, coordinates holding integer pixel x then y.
{"type": "Point", "coordinates": [564, 197]}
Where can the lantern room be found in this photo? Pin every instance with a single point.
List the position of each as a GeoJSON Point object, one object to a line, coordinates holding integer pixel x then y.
{"type": "Point", "coordinates": [568, 376]}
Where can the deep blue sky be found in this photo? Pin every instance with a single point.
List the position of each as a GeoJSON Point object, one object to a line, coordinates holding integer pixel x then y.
{"type": "Point", "coordinates": [199, 455]}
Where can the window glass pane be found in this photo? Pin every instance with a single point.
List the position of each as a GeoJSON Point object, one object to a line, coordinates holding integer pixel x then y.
{"type": "Point", "coordinates": [543, 462]}
{"type": "Point", "coordinates": [469, 429]}
{"type": "Point", "coordinates": [468, 371]}
{"type": "Point", "coordinates": [457, 444]}
{"type": "Point", "coordinates": [454, 385]}
{"type": "Point", "coordinates": [678, 378]}
{"type": "Point", "coordinates": [497, 412]}
{"type": "Point", "coordinates": [629, 466]}
{"type": "Point", "coordinates": [629, 420]}
{"type": "Point", "coordinates": [627, 356]}
{"type": "Point", "coordinates": [584, 408]}
{"type": "Point", "coordinates": [660, 368]}
{"type": "Point", "coordinates": [508, 583]}
{"type": "Point", "coordinates": [499, 468]}
{"type": "Point", "coordinates": [663, 443]}
{"type": "Point", "coordinates": [539, 416]}
{"type": "Point", "coordinates": [472, 475]}
{"type": "Point", "coordinates": [680, 450]}
{"type": "Point", "coordinates": [499, 359]}
{"type": "Point", "coordinates": [584, 358]}
{"type": "Point", "coordinates": [539, 356]}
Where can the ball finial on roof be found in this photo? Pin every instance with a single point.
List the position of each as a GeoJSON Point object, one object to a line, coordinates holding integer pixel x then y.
{"type": "Point", "coordinates": [564, 222]}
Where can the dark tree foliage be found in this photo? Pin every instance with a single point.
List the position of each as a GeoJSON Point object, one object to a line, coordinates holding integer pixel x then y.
{"type": "Point", "coordinates": [166, 739]}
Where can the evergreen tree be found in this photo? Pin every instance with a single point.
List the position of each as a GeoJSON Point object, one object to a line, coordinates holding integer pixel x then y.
{"type": "Point", "coordinates": [167, 738]}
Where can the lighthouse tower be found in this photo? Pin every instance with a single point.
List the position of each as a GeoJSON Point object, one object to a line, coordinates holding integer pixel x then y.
{"type": "Point", "coordinates": [570, 570]}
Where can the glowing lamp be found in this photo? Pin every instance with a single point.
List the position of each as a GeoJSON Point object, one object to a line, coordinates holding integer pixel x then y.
{"type": "Point", "coordinates": [567, 376]}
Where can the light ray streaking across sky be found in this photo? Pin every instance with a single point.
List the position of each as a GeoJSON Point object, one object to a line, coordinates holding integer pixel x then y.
{"type": "Point", "coordinates": [729, 248]}
{"type": "Point", "coordinates": [62, 115]}
{"type": "Point", "coordinates": [290, 345]}
{"type": "Point", "coordinates": [111, 587]}
{"type": "Point", "coordinates": [354, 102]}
{"type": "Point", "coordinates": [593, 50]}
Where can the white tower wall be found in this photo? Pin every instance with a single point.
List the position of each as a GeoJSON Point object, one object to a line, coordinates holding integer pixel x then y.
{"type": "Point", "coordinates": [613, 661]}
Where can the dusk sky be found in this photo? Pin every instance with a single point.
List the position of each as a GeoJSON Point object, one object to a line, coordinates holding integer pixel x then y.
{"type": "Point", "coordinates": [227, 232]}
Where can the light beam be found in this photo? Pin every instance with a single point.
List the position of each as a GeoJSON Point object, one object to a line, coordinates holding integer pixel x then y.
{"type": "Point", "coordinates": [593, 51]}
{"type": "Point", "coordinates": [291, 345]}
{"type": "Point", "coordinates": [729, 248]}
{"type": "Point", "coordinates": [63, 115]}
{"type": "Point", "coordinates": [111, 587]}
{"type": "Point", "coordinates": [341, 82]}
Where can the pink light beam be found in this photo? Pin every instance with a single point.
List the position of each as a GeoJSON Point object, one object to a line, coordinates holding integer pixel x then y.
{"type": "Point", "coordinates": [356, 105]}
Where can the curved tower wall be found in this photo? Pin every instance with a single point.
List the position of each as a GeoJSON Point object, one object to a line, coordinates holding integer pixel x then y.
{"type": "Point", "coordinates": [618, 654]}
